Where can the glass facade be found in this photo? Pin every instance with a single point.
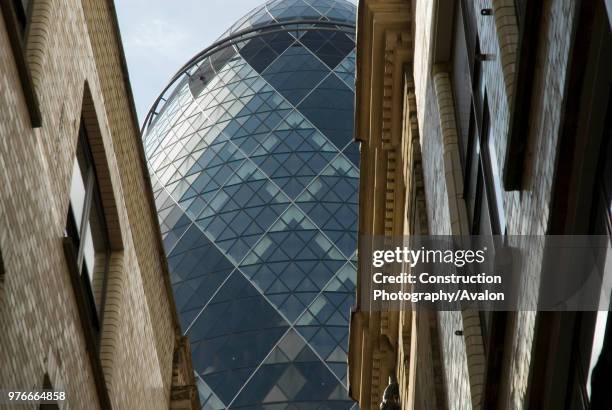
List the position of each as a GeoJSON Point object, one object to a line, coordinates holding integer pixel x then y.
{"type": "Point", "coordinates": [255, 173]}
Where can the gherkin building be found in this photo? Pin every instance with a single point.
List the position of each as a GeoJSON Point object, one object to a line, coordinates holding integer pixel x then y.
{"type": "Point", "coordinates": [255, 173]}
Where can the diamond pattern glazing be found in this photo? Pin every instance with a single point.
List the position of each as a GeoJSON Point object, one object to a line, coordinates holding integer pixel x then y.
{"type": "Point", "coordinates": [255, 175]}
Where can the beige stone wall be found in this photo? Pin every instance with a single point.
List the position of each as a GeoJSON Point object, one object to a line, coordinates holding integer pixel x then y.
{"type": "Point", "coordinates": [528, 210]}
{"type": "Point", "coordinates": [384, 29]}
{"type": "Point", "coordinates": [41, 330]}
{"type": "Point", "coordinates": [525, 212]}
{"type": "Point", "coordinates": [459, 374]}
{"type": "Point", "coordinates": [439, 185]}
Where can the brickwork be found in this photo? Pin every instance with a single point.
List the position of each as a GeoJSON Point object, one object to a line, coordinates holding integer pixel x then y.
{"type": "Point", "coordinates": [528, 212]}
{"type": "Point", "coordinates": [524, 212]}
{"type": "Point", "coordinates": [439, 158]}
{"type": "Point", "coordinates": [460, 372]}
{"type": "Point", "coordinates": [76, 62]}
{"type": "Point", "coordinates": [373, 354]}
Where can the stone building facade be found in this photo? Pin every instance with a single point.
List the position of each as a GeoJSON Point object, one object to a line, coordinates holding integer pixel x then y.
{"type": "Point", "coordinates": [488, 117]}
{"type": "Point", "coordinates": [86, 306]}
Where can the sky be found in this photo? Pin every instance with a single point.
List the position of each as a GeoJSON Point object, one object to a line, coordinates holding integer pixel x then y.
{"type": "Point", "coordinates": [159, 36]}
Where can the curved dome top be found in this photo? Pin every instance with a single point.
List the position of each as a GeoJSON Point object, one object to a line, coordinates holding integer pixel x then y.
{"type": "Point", "coordinates": [267, 22]}
{"type": "Point", "coordinates": [278, 11]}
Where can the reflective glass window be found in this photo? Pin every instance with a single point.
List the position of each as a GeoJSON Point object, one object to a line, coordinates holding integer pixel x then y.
{"type": "Point", "coordinates": [86, 228]}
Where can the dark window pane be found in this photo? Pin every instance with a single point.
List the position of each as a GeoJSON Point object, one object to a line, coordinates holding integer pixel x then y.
{"type": "Point", "coordinates": [208, 68]}
{"type": "Point", "coordinates": [330, 46]}
{"type": "Point", "coordinates": [86, 227]}
{"type": "Point", "coordinates": [330, 108]}
{"type": "Point", "coordinates": [21, 12]}
{"type": "Point", "coordinates": [292, 10]}
{"type": "Point", "coordinates": [461, 83]}
{"type": "Point", "coordinates": [260, 51]}
{"type": "Point", "coordinates": [282, 74]}
{"type": "Point", "coordinates": [236, 330]}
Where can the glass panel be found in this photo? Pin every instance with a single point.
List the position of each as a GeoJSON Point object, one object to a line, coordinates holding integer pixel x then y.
{"type": "Point", "coordinates": [282, 73]}
{"type": "Point", "coordinates": [199, 80]}
{"type": "Point", "coordinates": [88, 252]}
{"type": "Point", "coordinates": [95, 249]}
{"type": "Point", "coordinates": [265, 178]}
{"type": "Point", "coordinates": [257, 17]}
{"type": "Point", "coordinates": [287, 10]}
{"type": "Point", "coordinates": [233, 334]}
{"type": "Point", "coordinates": [77, 194]}
{"type": "Point", "coordinates": [330, 46]}
{"type": "Point", "coordinates": [346, 70]}
{"type": "Point", "coordinates": [261, 51]}
{"type": "Point", "coordinates": [86, 226]}
{"type": "Point", "coordinates": [330, 107]}
{"type": "Point", "coordinates": [306, 381]}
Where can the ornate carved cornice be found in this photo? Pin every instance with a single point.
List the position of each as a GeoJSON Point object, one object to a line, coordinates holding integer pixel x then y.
{"type": "Point", "coordinates": [398, 53]}
{"type": "Point", "coordinates": [384, 35]}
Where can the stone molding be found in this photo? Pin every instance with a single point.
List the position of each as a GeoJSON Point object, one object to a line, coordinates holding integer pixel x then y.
{"type": "Point", "coordinates": [506, 26]}
{"type": "Point", "coordinates": [37, 42]}
{"type": "Point", "coordinates": [453, 174]}
{"type": "Point", "coordinates": [113, 311]}
{"type": "Point", "coordinates": [385, 28]}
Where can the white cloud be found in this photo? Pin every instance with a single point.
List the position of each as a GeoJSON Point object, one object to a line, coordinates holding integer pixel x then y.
{"type": "Point", "coordinates": [157, 35]}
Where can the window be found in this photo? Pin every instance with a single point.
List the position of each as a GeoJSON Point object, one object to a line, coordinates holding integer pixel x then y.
{"type": "Point", "coordinates": [520, 7]}
{"type": "Point", "coordinates": [16, 18]}
{"type": "Point", "coordinates": [528, 17]}
{"type": "Point", "coordinates": [484, 214]}
{"type": "Point", "coordinates": [48, 386]}
{"type": "Point", "coordinates": [1, 276]}
{"type": "Point", "coordinates": [88, 241]}
{"type": "Point", "coordinates": [483, 191]}
{"type": "Point", "coordinates": [482, 187]}
{"type": "Point", "coordinates": [21, 14]}
{"type": "Point", "coordinates": [599, 366]}
{"type": "Point", "coordinates": [87, 230]}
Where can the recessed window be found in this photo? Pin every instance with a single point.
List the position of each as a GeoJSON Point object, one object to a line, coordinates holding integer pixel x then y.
{"type": "Point", "coordinates": [21, 14]}
{"type": "Point", "coordinates": [48, 386]}
{"type": "Point", "coordinates": [520, 7]}
{"type": "Point", "coordinates": [16, 15]}
{"type": "Point", "coordinates": [1, 277]}
{"type": "Point", "coordinates": [483, 192]}
{"type": "Point", "coordinates": [87, 229]}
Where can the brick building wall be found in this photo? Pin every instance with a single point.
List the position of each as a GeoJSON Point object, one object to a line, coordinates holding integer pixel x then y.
{"type": "Point", "coordinates": [78, 70]}
{"type": "Point", "coordinates": [526, 211]}
{"type": "Point", "coordinates": [434, 140]}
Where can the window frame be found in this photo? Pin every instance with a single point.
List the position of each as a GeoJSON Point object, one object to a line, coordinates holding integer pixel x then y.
{"type": "Point", "coordinates": [22, 15]}
{"type": "Point", "coordinates": [18, 34]}
{"type": "Point", "coordinates": [478, 178]}
{"type": "Point", "coordinates": [48, 386]}
{"type": "Point", "coordinates": [479, 185]}
{"type": "Point", "coordinates": [91, 334]}
{"type": "Point", "coordinates": [2, 277]}
{"type": "Point", "coordinates": [76, 236]}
